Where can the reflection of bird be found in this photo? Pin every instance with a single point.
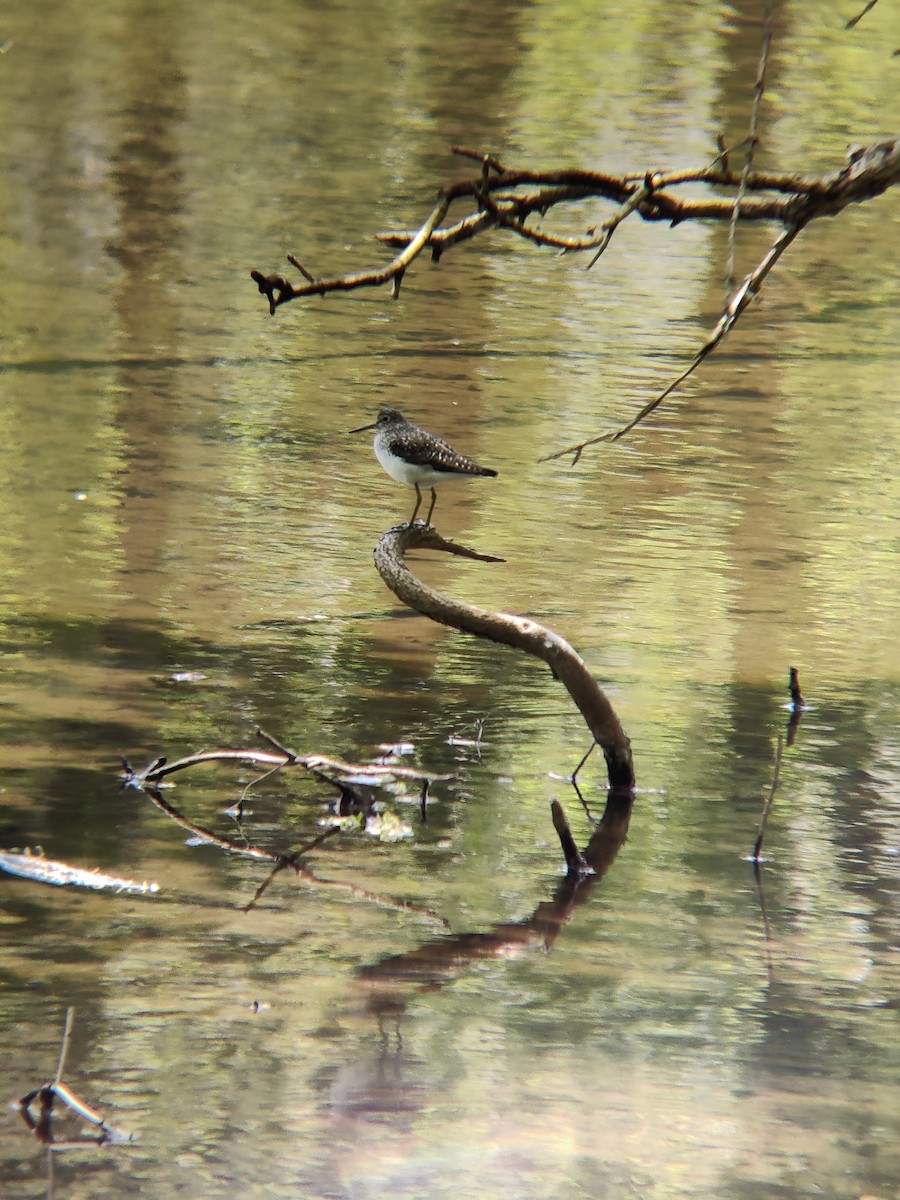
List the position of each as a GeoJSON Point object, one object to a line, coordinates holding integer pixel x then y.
{"type": "Point", "coordinates": [412, 456]}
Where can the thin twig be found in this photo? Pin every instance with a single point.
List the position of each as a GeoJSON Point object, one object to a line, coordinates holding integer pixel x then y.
{"type": "Point", "coordinates": [752, 143]}
{"type": "Point", "coordinates": [291, 755]}
{"type": "Point", "coordinates": [590, 750]}
{"type": "Point", "coordinates": [748, 290]}
{"type": "Point", "coordinates": [64, 1044]}
{"type": "Point", "coordinates": [479, 156]}
{"type": "Point", "coordinates": [632, 204]}
{"type": "Point", "coordinates": [300, 267]}
{"type": "Point", "coordinates": [859, 16]}
{"type": "Point", "coordinates": [767, 807]}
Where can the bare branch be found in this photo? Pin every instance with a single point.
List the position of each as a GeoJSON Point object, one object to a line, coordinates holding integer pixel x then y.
{"type": "Point", "coordinates": [157, 770]}
{"type": "Point", "coordinates": [279, 291]}
{"type": "Point", "coordinates": [506, 198]}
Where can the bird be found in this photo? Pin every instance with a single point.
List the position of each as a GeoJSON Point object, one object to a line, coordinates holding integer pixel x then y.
{"type": "Point", "coordinates": [414, 456]}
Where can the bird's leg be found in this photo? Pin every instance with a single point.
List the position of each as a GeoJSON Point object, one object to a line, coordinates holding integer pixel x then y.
{"type": "Point", "coordinates": [412, 519]}
{"type": "Point", "coordinates": [431, 506]}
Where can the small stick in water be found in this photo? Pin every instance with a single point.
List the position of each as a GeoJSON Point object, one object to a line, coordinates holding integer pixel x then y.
{"type": "Point", "coordinates": [768, 804]}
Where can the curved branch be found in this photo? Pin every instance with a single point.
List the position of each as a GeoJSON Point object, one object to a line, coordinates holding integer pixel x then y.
{"type": "Point", "coordinates": [520, 632]}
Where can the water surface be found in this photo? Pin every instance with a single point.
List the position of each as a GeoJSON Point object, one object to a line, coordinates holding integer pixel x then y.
{"type": "Point", "coordinates": [185, 546]}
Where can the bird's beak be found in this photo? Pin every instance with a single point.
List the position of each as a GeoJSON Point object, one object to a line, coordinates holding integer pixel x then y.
{"type": "Point", "coordinates": [363, 428]}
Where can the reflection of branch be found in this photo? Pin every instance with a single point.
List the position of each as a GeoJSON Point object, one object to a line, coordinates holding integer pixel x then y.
{"type": "Point", "coordinates": [207, 835]}
{"type": "Point", "coordinates": [576, 863]}
{"type": "Point", "coordinates": [757, 849]}
{"type": "Point", "coordinates": [519, 632]}
{"type": "Point", "coordinates": [767, 931]}
{"type": "Point", "coordinates": [437, 962]}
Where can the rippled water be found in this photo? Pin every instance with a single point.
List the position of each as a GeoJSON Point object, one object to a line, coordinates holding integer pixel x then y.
{"type": "Point", "coordinates": [186, 552]}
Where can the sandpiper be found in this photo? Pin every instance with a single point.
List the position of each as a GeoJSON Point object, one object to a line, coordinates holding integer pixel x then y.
{"type": "Point", "coordinates": [412, 456]}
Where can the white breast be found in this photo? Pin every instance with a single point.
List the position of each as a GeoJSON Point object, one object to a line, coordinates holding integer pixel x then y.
{"type": "Point", "coordinates": [404, 472]}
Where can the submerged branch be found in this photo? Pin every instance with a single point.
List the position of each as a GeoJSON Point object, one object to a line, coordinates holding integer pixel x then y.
{"type": "Point", "coordinates": [35, 866]}
{"type": "Point", "coordinates": [333, 771]}
{"type": "Point", "coordinates": [285, 860]}
{"type": "Point", "coordinates": [518, 632]}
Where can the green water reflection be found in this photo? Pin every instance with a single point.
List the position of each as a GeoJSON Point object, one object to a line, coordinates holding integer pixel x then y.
{"type": "Point", "coordinates": [185, 550]}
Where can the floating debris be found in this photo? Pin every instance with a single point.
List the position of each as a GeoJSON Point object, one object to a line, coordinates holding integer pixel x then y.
{"type": "Point", "coordinates": [37, 1108]}
{"type": "Point", "coordinates": [396, 749]}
